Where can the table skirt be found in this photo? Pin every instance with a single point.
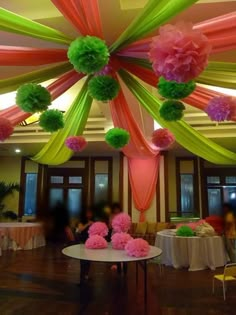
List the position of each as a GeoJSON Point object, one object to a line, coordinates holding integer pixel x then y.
{"type": "Point", "coordinates": [35, 242]}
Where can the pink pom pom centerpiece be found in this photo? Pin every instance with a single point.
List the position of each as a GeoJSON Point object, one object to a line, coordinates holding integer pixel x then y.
{"type": "Point", "coordinates": [221, 108]}
{"type": "Point", "coordinates": [162, 138]}
{"type": "Point", "coordinates": [137, 248]}
{"type": "Point", "coordinates": [76, 143]}
{"type": "Point", "coordinates": [119, 240]}
{"type": "Point", "coordinates": [6, 128]}
{"type": "Point", "coordinates": [96, 242]}
{"type": "Point", "coordinates": [121, 223]}
{"type": "Point", "coordinates": [179, 53]}
{"type": "Point", "coordinates": [98, 228]}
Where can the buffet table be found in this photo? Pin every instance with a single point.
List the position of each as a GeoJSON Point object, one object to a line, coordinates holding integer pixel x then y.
{"type": "Point", "coordinates": [17, 235]}
{"type": "Point", "coordinates": [196, 253]}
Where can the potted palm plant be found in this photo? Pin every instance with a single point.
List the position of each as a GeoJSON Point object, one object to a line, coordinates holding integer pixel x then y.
{"type": "Point", "coordinates": [5, 190]}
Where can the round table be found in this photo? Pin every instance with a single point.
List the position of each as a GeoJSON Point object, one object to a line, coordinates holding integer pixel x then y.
{"type": "Point", "coordinates": [110, 255]}
{"type": "Point", "coordinates": [196, 253]}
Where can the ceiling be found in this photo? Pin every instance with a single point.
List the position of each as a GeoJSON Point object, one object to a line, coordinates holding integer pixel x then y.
{"type": "Point", "coordinates": [116, 15]}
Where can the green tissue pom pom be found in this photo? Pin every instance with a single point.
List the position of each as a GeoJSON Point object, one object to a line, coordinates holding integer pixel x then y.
{"type": "Point", "coordinates": [88, 54]}
{"type": "Point", "coordinates": [33, 98]}
{"type": "Point", "coordinates": [103, 88]}
{"type": "Point", "coordinates": [185, 230]}
{"type": "Point", "coordinates": [51, 120]}
{"type": "Point", "coordinates": [175, 90]}
{"type": "Point", "coordinates": [172, 110]}
{"type": "Point", "coordinates": [117, 137]}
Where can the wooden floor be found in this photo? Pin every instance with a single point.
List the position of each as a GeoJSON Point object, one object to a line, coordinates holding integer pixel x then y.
{"type": "Point", "coordinates": [43, 281]}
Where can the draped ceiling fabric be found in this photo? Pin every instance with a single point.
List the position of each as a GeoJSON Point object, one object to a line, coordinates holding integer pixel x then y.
{"type": "Point", "coordinates": [131, 52]}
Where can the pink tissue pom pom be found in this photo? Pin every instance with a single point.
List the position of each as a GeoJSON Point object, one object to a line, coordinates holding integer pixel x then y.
{"type": "Point", "coordinates": [6, 128]}
{"type": "Point", "coordinates": [221, 108]}
{"type": "Point", "coordinates": [179, 53]}
{"type": "Point", "coordinates": [98, 228]}
{"type": "Point", "coordinates": [162, 138]}
{"type": "Point", "coordinates": [119, 240]}
{"type": "Point", "coordinates": [96, 242]}
{"type": "Point", "coordinates": [137, 247]}
{"type": "Point", "coordinates": [76, 143]}
{"type": "Point", "coordinates": [121, 223]}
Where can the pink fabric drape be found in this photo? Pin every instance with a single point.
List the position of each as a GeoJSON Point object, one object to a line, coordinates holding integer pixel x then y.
{"type": "Point", "coordinates": [27, 56]}
{"type": "Point", "coordinates": [83, 14]}
{"type": "Point", "coordinates": [57, 88]}
{"type": "Point", "coordinates": [143, 159]}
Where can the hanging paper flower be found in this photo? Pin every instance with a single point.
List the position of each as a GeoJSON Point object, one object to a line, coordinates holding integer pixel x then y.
{"type": "Point", "coordinates": [103, 88]}
{"type": "Point", "coordinates": [88, 54]}
{"type": "Point", "coordinates": [162, 138]}
{"type": "Point", "coordinates": [121, 222]}
{"type": "Point", "coordinates": [119, 240]}
{"type": "Point", "coordinates": [33, 98]}
{"type": "Point", "coordinates": [172, 110]}
{"type": "Point", "coordinates": [96, 242]}
{"type": "Point", "coordinates": [76, 143]}
{"type": "Point", "coordinates": [51, 120]}
{"type": "Point", "coordinates": [6, 128]}
{"type": "Point", "coordinates": [185, 230]}
{"type": "Point", "coordinates": [179, 53]}
{"type": "Point", "coordinates": [98, 228]}
{"type": "Point", "coordinates": [221, 108]}
{"type": "Point", "coordinates": [175, 90]}
{"type": "Point", "coordinates": [137, 248]}
{"type": "Point", "coordinates": [117, 137]}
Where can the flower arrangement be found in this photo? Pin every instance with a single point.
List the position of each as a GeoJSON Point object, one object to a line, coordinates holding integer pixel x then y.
{"type": "Point", "coordinates": [51, 120]}
{"type": "Point", "coordinates": [117, 137]}
{"type": "Point", "coordinates": [119, 240]}
{"type": "Point", "coordinates": [162, 138]}
{"type": "Point", "coordinates": [121, 223]}
{"type": "Point", "coordinates": [137, 248]}
{"type": "Point", "coordinates": [103, 88]}
{"type": "Point", "coordinates": [96, 242]}
{"type": "Point", "coordinates": [76, 143]}
{"type": "Point", "coordinates": [221, 108]}
{"type": "Point", "coordinates": [172, 110]}
{"type": "Point", "coordinates": [185, 230]}
{"type": "Point", "coordinates": [175, 90]}
{"type": "Point", "coordinates": [98, 228]}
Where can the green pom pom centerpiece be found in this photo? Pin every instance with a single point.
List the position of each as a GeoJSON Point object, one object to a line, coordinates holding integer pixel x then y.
{"type": "Point", "coordinates": [117, 137]}
{"type": "Point", "coordinates": [32, 98]}
{"type": "Point", "coordinates": [88, 54]}
{"type": "Point", "coordinates": [103, 88]}
{"type": "Point", "coordinates": [172, 110]}
{"type": "Point", "coordinates": [185, 230]}
{"type": "Point", "coordinates": [51, 120]}
{"type": "Point", "coordinates": [175, 90]}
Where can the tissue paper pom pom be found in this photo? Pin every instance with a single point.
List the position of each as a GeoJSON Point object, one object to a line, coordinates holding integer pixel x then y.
{"type": "Point", "coordinates": [76, 143]}
{"type": "Point", "coordinates": [98, 228]}
{"type": "Point", "coordinates": [137, 248]}
{"type": "Point", "coordinates": [96, 242]}
{"type": "Point", "coordinates": [51, 120]}
{"type": "Point", "coordinates": [172, 110]}
{"type": "Point", "coordinates": [185, 230]}
{"type": "Point", "coordinates": [119, 240]}
{"type": "Point", "coordinates": [103, 88]}
{"type": "Point", "coordinates": [117, 137]}
{"type": "Point", "coordinates": [33, 98]}
{"type": "Point", "coordinates": [6, 128]}
{"type": "Point", "coordinates": [221, 108]}
{"type": "Point", "coordinates": [88, 54]}
{"type": "Point", "coordinates": [175, 90]}
{"type": "Point", "coordinates": [121, 223]}
{"type": "Point", "coordinates": [179, 53]}
{"type": "Point", "coordinates": [162, 138]}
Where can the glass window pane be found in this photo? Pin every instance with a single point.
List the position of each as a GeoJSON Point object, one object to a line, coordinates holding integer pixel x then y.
{"type": "Point", "coordinates": [213, 180]}
{"type": "Point", "coordinates": [230, 179]}
{"type": "Point", "coordinates": [74, 201]}
{"type": "Point", "coordinates": [187, 200]}
{"type": "Point", "coordinates": [57, 179]}
{"type": "Point", "coordinates": [75, 180]}
{"type": "Point", "coordinates": [55, 196]}
{"type": "Point", "coordinates": [214, 201]}
{"type": "Point", "coordinates": [230, 195]}
{"type": "Point", "coordinates": [30, 194]}
{"type": "Point", "coordinates": [101, 188]}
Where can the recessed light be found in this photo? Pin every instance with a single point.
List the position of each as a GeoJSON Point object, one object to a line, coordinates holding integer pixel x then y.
{"type": "Point", "coordinates": [17, 150]}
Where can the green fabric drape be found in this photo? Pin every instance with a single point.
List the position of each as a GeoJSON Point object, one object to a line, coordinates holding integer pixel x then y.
{"type": "Point", "coordinates": [11, 84]}
{"type": "Point", "coordinates": [14, 23]}
{"type": "Point", "coordinates": [154, 14]}
{"type": "Point", "coordinates": [55, 152]}
{"type": "Point", "coordinates": [185, 135]}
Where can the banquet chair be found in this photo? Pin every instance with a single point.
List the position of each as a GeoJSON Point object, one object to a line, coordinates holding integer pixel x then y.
{"type": "Point", "coordinates": [228, 275]}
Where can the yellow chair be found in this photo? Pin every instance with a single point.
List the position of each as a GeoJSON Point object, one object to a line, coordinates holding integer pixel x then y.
{"type": "Point", "coordinates": [228, 275]}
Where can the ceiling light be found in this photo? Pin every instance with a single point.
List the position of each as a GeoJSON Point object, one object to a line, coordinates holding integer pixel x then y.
{"type": "Point", "coordinates": [17, 150]}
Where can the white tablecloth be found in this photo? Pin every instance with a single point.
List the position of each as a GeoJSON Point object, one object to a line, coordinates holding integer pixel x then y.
{"type": "Point", "coordinates": [196, 253]}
